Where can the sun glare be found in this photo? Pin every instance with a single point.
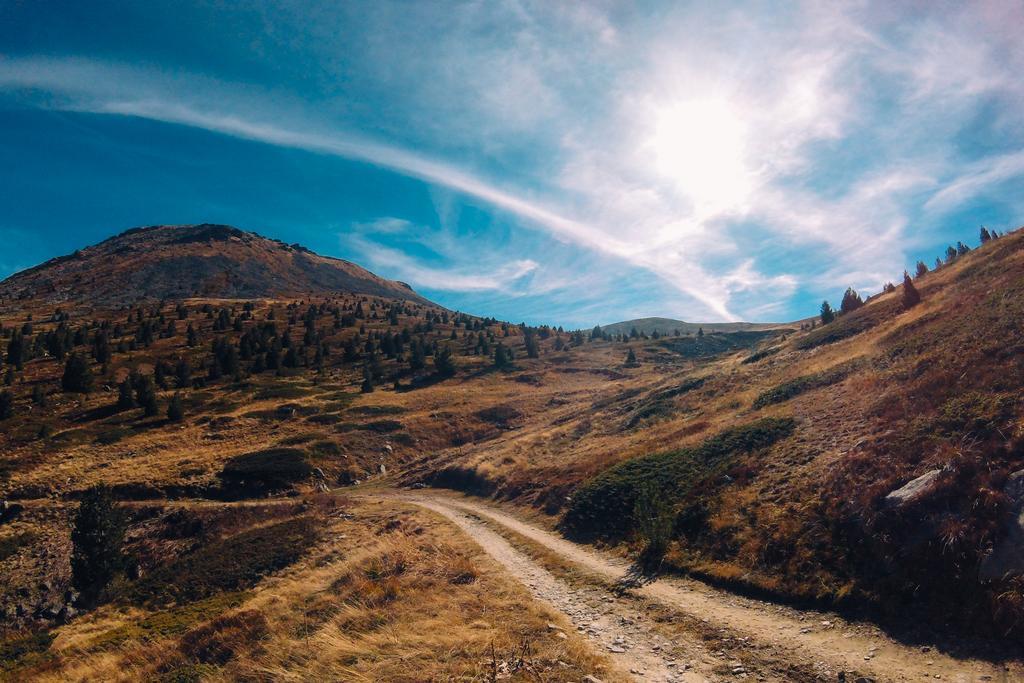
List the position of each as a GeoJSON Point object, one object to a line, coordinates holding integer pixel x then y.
{"type": "Point", "coordinates": [700, 146]}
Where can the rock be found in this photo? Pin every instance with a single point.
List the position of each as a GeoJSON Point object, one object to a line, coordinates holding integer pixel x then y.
{"type": "Point", "coordinates": [1007, 558]}
{"type": "Point", "coordinates": [912, 490]}
{"type": "Point", "coordinates": [9, 511]}
{"type": "Point", "coordinates": [592, 679]}
{"type": "Point", "coordinates": [383, 469]}
{"type": "Point", "coordinates": [67, 613]}
{"type": "Point", "coordinates": [319, 473]}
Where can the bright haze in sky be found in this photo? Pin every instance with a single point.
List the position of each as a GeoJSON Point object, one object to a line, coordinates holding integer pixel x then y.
{"type": "Point", "coordinates": [562, 162]}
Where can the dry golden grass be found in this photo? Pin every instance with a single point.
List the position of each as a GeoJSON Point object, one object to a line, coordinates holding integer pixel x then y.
{"type": "Point", "coordinates": [391, 595]}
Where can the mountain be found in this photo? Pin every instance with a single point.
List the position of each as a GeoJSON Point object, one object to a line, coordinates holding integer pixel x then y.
{"type": "Point", "coordinates": [668, 326]}
{"type": "Point", "coordinates": [872, 466]}
{"type": "Point", "coordinates": [185, 261]}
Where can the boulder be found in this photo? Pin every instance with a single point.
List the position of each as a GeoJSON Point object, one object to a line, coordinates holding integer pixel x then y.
{"type": "Point", "coordinates": [1007, 558]}
{"type": "Point", "coordinates": [912, 490]}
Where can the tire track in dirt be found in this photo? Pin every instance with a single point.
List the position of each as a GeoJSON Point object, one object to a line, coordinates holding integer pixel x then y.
{"type": "Point", "coordinates": [811, 640]}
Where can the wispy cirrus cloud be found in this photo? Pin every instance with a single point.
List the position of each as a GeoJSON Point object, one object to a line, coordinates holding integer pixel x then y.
{"type": "Point", "coordinates": [770, 157]}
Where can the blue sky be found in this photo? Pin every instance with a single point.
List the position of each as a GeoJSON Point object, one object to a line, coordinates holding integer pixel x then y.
{"type": "Point", "coordinates": [564, 162]}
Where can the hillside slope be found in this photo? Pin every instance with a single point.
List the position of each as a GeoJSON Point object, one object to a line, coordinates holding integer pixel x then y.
{"type": "Point", "coordinates": [177, 262]}
{"type": "Point", "coordinates": [668, 326]}
{"type": "Point", "coordinates": [872, 463]}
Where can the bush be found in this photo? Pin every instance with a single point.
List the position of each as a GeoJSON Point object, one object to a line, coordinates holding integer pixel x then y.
{"type": "Point", "coordinates": [654, 519]}
{"type": "Point", "coordinates": [77, 377]}
{"type": "Point", "coordinates": [605, 505]}
{"type": "Point", "coordinates": [274, 469]}
{"type": "Point", "coordinates": [795, 387]}
{"type": "Point", "coordinates": [232, 564]}
{"type": "Point", "coordinates": [97, 539]}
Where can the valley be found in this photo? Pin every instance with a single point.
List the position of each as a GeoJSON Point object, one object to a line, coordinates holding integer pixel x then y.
{"type": "Point", "coordinates": [334, 477]}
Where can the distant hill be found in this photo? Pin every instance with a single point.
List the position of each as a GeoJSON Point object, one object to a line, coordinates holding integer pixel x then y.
{"type": "Point", "coordinates": [178, 262]}
{"type": "Point", "coordinates": [669, 326]}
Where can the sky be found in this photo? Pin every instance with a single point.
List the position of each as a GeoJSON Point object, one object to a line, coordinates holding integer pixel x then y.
{"type": "Point", "coordinates": [569, 163]}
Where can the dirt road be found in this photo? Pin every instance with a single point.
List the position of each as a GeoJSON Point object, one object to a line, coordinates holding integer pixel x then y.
{"type": "Point", "coordinates": [728, 637]}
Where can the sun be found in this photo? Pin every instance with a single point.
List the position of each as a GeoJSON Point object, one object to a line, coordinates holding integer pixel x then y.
{"type": "Point", "coordinates": [700, 146]}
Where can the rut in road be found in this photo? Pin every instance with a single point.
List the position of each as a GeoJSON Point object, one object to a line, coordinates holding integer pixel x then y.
{"type": "Point", "coordinates": [623, 633]}
{"type": "Point", "coordinates": [806, 640]}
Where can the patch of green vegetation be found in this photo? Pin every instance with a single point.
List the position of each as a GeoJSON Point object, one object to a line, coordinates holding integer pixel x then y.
{"type": "Point", "coordinates": [290, 391]}
{"type": "Point", "coordinates": [325, 449]}
{"type": "Point", "coordinates": [72, 436]}
{"type": "Point", "coordinates": [659, 405]}
{"type": "Point", "coordinates": [716, 343]}
{"type": "Point", "coordinates": [232, 564]}
{"type": "Point", "coordinates": [24, 651]}
{"type": "Point", "coordinates": [113, 435]}
{"type": "Point", "coordinates": [12, 544]}
{"type": "Point", "coordinates": [849, 324]}
{"type": "Point", "coordinates": [326, 419]}
{"type": "Point", "coordinates": [403, 439]}
{"type": "Point", "coordinates": [604, 505]}
{"type": "Point", "coordinates": [804, 383]}
{"type": "Point", "coordinates": [761, 355]}
{"type": "Point", "coordinates": [500, 415]}
{"type": "Point", "coordinates": [271, 470]}
{"type": "Point", "coordinates": [377, 410]}
{"type": "Point", "coordinates": [975, 413]}
{"type": "Point", "coordinates": [382, 426]}
{"type": "Point", "coordinates": [188, 673]}
{"type": "Point", "coordinates": [170, 622]}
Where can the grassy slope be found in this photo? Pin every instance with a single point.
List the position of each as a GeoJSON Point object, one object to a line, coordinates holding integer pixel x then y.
{"type": "Point", "coordinates": [891, 394]}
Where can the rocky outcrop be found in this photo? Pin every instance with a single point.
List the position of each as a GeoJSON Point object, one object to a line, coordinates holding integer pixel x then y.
{"type": "Point", "coordinates": [1007, 558]}
{"type": "Point", "coordinates": [912, 490]}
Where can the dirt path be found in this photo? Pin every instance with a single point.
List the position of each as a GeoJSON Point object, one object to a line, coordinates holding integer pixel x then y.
{"type": "Point", "coordinates": [621, 632]}
{"type": "Point", "coordinates": [778, 636]}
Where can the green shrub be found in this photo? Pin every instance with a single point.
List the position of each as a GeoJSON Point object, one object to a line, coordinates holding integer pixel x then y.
{"type": "Point", "coordinates": [654, 519]}
{"type": "Point", "coordinates": [264, 471]}
{"type": "Point", "coordinates": [761, 355]}
{"type": "Point", "coordinates": [795, 387]}
{"type": "Point", "coordinates": [604, 506]}
{"type": "Point", "coordinates": [12, 544]}
{"type": "Point", "coordinates": [975, 413]}
{"type": "Point", "coordinates": [232, 564]}
{"type": "Point", "coordinates": [18, 651]}
{"type": "Point", "coordinates": [97, 538]}
{"type": "Point", "coordinates": [849, 324]}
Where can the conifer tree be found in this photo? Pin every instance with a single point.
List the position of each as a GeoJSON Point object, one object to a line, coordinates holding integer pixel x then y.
{"type": "Point", "coordinates": [97, 539]}
{"type": "Point", "coordinates": [6, 404]}
{"type": "Point", "coordinates": [367, 386]}
{"type": "Point", "coordinates": [77, 376]}
{"type": "Point", "coordinates": [175, 409]}
{"type": "Point", "coordinates": [851, 301]}
{"type": "Point", "coordinates": [631, 358]}
{"type": "Point", "coordinates": [911, 297]}
{"type": "Point", "coordinates": [985, 235]}
{"type": "Point", "coordinates": [827, 314]}
{"type": "Point", "coordinates": [922, 269]}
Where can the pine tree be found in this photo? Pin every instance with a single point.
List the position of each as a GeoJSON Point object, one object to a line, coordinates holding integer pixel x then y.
{"type": "Point", "coordinates": [631, 358]}
{"type": "Point", "coordinates": [985, 235]}
{"type": "Point", "coordinates": [367, 386]}
{"type": "Point", "coordinates": [911, 297]}
{"type": "Point", "coordinates": [444, 363]}
{"type": "Point", "coordinates": [851, 301]}
{"type": "Point", "coordinates": [922, 269]}
{"type": "Point", "coordinates": [77, 376]}
{"type": "Point", "coordinates": [827, 314]}
{"type": "Point", "coordinates": [97, 538]}
{"type": "Point", "coordinates": [183, 374]}
{"type": "Point", "coordinates": [501, 356]}
{"type": "Point", "coordinates": [145, 393]}
{"type": "Point", "coordinates": [125, 399]}
{"type": "Point", "coordinates": [6, 405]}
{"type": "Point", "coordinates": [175, 409]}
